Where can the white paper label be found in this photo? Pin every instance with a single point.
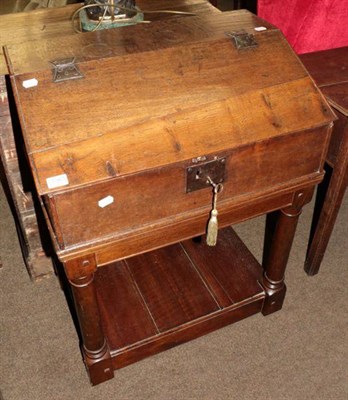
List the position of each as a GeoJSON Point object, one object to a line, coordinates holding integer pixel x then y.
{"type": "Point", "coordinates": [29, 83]}
{"type": "Point", "coordinates": [57, 181]}
{"type": "Point", "coordinates": [260, 28]}
{"type": "Point", "coordinates": [106, 201]}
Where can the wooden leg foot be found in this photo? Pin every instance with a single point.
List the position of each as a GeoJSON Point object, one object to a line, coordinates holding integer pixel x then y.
{"type": "Point", "coordinates": [275, 294]}
{"type": "Point", "coordinates": [99, 365]}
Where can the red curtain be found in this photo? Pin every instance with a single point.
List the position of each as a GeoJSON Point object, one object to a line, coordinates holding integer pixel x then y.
{"type": "Point", "coordinates": [308, 25]}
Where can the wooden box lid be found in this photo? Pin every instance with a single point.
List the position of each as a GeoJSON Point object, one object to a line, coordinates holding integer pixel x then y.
{"type": "Point", "coordinates": [158, 94]}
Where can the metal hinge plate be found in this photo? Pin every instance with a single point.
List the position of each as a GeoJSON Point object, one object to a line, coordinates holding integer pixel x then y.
{"type": "Point", "coordinates": [197, 175]}
{"type": "Point", "coordinates": [243, 40]}
{"type": "Point", "coordinates": [65, 70]}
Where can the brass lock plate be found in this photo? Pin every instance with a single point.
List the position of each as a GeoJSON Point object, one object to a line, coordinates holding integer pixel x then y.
{"type": "Point", "coordinates": [197, 175]}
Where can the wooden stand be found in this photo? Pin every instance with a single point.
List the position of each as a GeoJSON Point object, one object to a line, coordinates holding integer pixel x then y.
{"type": "Point", "coordinates": [140, 306]}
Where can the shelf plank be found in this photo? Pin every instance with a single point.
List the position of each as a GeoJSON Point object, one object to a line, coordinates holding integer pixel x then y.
{"type": "Point", "coordinates": [125, 317]}
{"type": "Point", "coordinates": [185, 333]}
{"type": "Point", "coordinates": [231, 279]}
{"type": "Point", "coordinates": [157, 300]}
{"type": "Point", "coordinates": [172, 288]}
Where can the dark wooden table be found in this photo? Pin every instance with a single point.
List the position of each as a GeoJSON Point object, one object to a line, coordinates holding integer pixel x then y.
{"type": "Point", "coordinates": [330, 71]}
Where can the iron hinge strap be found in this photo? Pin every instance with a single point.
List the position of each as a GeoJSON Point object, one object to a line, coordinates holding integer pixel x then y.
{"type": "Point", "coordinates": [65, 70]}
{"type": "Point", "coordinates": [243, 40]}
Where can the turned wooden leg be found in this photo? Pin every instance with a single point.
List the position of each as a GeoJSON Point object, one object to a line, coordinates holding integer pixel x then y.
{"type": "Point", "coordinates": [278, 253]}
{"type": "Point", "coordinates": [80, 273]}
{"type": "Point", "coordinates": [270, 225]}
{"type": "Point", "coordinates": [328, 210]}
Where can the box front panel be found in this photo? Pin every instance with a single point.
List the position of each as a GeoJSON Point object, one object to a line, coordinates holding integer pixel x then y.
{"type": "Point", "coordinates": [159, 196]}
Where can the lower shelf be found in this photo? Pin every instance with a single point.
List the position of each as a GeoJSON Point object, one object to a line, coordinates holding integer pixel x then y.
{"type": "Point", "coordinates": [160, 299]}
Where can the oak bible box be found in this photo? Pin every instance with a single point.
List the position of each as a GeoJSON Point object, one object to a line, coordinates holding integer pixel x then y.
{"type": "Point", "coordinates": [140, 135]}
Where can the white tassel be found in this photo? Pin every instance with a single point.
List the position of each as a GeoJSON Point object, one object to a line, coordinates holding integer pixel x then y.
{"type": "Point", "coordinates": [213, 226]}
{"type": "Point", "coordinates": [212, 230]}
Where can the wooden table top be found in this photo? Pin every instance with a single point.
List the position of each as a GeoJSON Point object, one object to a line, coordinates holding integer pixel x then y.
{"type": "Point", "coordinates": [329, 69]}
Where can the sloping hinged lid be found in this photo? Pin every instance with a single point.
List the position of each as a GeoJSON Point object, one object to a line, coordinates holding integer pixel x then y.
{"type": "Point", "coordinates": [159, 94]}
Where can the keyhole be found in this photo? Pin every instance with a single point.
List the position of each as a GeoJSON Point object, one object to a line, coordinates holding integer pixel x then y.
{"type": "Point", "coordinates": [198, 174]}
